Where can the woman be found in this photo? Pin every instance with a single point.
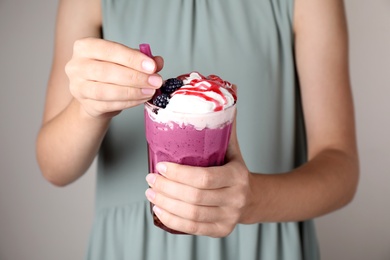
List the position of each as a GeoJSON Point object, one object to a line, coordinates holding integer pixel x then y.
{"type": "Point", "coordinates": [292, 158]}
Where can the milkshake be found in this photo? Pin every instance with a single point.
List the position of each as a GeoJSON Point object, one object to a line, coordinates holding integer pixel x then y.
{"type": "Point", "coordinates": [189, 122]}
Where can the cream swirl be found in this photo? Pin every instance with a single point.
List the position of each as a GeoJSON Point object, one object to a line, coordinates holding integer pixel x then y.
{"type": "Point", "coordinates": [200, 94]}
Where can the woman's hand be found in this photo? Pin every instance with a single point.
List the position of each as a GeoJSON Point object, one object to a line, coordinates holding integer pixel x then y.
{"type": "Point", "coordinates": [107, 77]}
{"type": "Point", "coordinates": [206, 201]}
{"type": "Point", "coordinates": [200, 201]}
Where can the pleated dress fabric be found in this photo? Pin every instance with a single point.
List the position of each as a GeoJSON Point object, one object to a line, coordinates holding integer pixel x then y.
{"type": "Point", "coordinates": [247, 42]}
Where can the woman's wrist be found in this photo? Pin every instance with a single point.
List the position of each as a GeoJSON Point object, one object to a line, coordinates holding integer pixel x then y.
{"type": "Point", "coordinates": [103, 120]}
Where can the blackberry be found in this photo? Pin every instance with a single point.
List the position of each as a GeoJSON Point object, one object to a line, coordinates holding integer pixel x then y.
{"type": "Point", "coordinates": [171, 85]}
{"type": "Point", "coordinates": [161, 100]}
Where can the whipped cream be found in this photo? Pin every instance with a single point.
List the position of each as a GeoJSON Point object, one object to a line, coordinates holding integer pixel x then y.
{"type": "Point", "coordinates": [201, 102]}
{"type": "Point", "coordinates": [201, 94]}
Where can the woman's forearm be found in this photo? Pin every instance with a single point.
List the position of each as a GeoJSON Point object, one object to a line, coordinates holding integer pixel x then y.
{"type": "Point", "coordinates": [68, 144]}
{"type": "Point", "coordinates": [326, 183]}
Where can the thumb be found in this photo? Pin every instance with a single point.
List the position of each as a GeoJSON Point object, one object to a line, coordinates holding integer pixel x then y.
{"type": "Point", "coordinates": [233, 152]}
{"type": "Point", "coordinates": [159, 63]}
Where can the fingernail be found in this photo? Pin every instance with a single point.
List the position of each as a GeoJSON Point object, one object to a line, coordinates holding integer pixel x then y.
{"type": "Point", "coordinates": [155, 81]}
{"type": "Point", "coordinates": [156, 210]}
{"type": "Point", "coordinates": [148, 91]}
{"type": "Point", "coordinates": [148, 65]}
{"type": "Point", "coordinates": [161, 168]}
{"type": "Point", "coordinates": [150, 194]}
{"type": "Point", "coordinates": [151, 178]}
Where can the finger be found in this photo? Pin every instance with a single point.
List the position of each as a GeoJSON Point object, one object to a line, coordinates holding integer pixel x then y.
{"type": "Point", "coordinates": [116, 74]}
{"type": "Point", "coordinates": [108, 92]}
{"type": "Point", "coordinates": [198, 177]}
{"type": "Point", "coordinates": [188, 226]}
{"type": "Point", "coordinates": [104, 50]}
{"type": "Point", "coordinates": [184, 210]}
{"type": "Point", "coordinates": [188, 194]}
{"type": "Point", "coordinates": [102, 107]}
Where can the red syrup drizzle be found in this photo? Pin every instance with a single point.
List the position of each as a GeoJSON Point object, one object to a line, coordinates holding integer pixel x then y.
{"type": "Point", "coordinates": [215, 84]}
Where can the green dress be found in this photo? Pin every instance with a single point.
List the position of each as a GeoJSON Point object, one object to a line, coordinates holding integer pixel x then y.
{"type": "Point", "coordinates": [247, 42]}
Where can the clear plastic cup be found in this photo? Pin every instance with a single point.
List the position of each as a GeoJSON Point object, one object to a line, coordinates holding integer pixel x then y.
{"type": "Point", "coordinates": [189, 139]}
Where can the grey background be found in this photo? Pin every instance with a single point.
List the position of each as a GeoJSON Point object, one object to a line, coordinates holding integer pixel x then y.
{"type": "Point", "coordinates": [41, 222]}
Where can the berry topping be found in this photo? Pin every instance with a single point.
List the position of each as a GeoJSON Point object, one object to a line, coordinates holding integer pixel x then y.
{"type": "Point", "coordinates": [171, 85]}
{"type": "Point", "coordinates": [161, 100]}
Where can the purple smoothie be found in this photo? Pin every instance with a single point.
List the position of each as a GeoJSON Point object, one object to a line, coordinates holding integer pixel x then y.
{"type": "Point", "coordinates": [185, 144]}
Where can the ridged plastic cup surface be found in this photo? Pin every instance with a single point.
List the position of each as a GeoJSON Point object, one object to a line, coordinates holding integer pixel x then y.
{"type": "Point", "coordinates": [201, 144]}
